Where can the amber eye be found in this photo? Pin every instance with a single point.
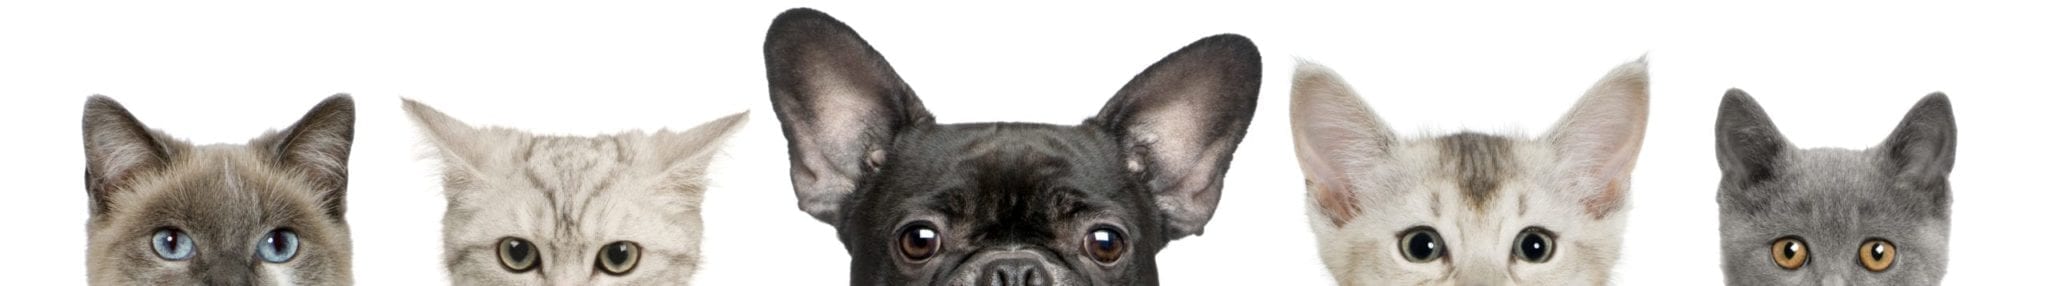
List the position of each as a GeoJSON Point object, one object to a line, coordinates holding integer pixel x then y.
{"type": "Point", "coordinates": [1877, 254]}
{"type": "Point", "coordinates": [1789, 252]}
{"type": "Point", "coordinates": [918, 243]}
{"type": "Point", "coordinates": [1421, 244]}
{"type": "Point", "coordinates": [1105, 245]}
{"type": "Point", "coordinates": [518, 255]}
{"type": "Point", "coordinates": [618, 258]}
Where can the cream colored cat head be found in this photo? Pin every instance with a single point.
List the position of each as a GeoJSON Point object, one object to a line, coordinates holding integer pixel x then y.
{"type": "Point", "coordinates": [1468, 208]}
{"type": "Point", "coordinates": [524, 209]}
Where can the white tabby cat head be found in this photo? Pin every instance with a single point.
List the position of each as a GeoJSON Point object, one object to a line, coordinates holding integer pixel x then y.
{"type": "Point", "coordinates": [528, 209]}
{"type": "Point", "coordinates": [1468, 208]}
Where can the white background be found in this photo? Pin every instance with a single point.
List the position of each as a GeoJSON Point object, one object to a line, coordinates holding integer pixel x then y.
{"type": "Point", "coordinates": [1831, 74]}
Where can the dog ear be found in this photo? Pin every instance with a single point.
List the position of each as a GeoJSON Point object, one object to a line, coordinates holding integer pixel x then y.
{"type": "Point", "coordinates": [1336, 137]}
{"type": "Point", "coordinates": [688, 153]}
{"type": "Point", "coordinates": [1179, 121]}
{"type": "Point", "coordinates": [840, 104]}
{"type": "Point", "coordinates": [1747, 144]}
{"type": "Point", "coordinates": [1602, 134]}
{"type": "Point", "coordinates": [1922, 149]}
{"type": "Point", "coordinates": [318, 146]}
{"type": "Point", "coordinates": [118, 149]}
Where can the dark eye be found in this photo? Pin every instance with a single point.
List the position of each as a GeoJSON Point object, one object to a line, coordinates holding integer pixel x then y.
{"type": "Point", "coordinates": [1421, 244]}
{"type": "Point", "coordinates": [618, 258]}
{"type": "Point", "coordinates": [518, 255]}
{"type": "Point", "coordinates": [1535, 245]}
{"type": "Point", "coordinates": [919, 242]}
{"type": "Point", "coordinates": [278, 246]}
{"type": "Point", "coordinates": [1105, 245]}
{"type": "Point", "coordinates": [1877, 254]}
{"type": "Point", "coordinates": [1789, 252]}
{"type": "Point", "coordinates": [172, 244]}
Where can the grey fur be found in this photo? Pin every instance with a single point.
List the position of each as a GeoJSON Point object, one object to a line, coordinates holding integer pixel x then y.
{"type": "Point", "coordinates": [570, 196]}
{"type": "Point", "coordinates": [1834, 199]}
{"type": "Point", "coordinates": [225, 197]}
{"type": "Point", "coordinates": [1479, 161]}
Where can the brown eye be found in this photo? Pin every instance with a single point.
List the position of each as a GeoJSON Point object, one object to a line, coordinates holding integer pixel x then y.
{"type": "Point", "coordinates": [518, 255]}
{"type": "Point", "coordinates": [1105, 245]}
{"type": "Point", "coordinates": [1877, 254]}
{"type": "Point", "coordinates": [918, 243]}
{"type": "Point", "coordinates": [618, 258]}
{"type": "Point", "coordinates": [1789, 252]}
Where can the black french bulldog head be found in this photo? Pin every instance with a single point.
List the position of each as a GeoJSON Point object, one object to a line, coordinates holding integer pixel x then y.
{"type": "Point", "coordinates": [921, 203]}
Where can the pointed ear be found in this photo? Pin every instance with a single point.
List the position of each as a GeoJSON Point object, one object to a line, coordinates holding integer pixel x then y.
{"type": "Point", "coordinates": [1922, 149]}
{"type": "Point", "coordinates": [1747, 144]}
{"type": "Point", "coordinates": [687, 153]}
{"type": "Point", "coordinates": [118, 149]}
{"type": "Point", "coordinates": [1600, 137]}
{"type": "Point", "coordinates": [318, 145]}
{"type": "Point", "coordinates": [1180, 120]}
{"type": "Point", "coordinates": [840, 104]}
{"type": "Point", "coordinates": [463, 150]}
{"type": "Point", "coordinates": [1336, 137]}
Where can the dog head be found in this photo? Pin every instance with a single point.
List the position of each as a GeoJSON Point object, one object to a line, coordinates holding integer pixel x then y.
{"type": "Point", "coordinates": [921, 203]}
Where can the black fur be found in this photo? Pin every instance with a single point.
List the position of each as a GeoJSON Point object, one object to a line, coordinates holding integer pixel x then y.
{"type": "Point", "coordinates": [867, 158]}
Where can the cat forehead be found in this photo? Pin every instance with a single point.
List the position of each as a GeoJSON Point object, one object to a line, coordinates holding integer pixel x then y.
{"type": "Point", "coordinates": [221, 184]}
{"type": "Point", "coordinates": [1849, 182]}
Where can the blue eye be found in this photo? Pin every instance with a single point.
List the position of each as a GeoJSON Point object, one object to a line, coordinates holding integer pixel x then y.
{"type": "Point", "coordinates": [172, 244]}
{"type": "Point", "coordinates": [279, 246]}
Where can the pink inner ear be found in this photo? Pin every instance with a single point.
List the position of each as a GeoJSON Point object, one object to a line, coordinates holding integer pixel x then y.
{"type": "Point", "coordinates": [1337, 205]}
{"type": "Point", "coordinates": [1609, 200]}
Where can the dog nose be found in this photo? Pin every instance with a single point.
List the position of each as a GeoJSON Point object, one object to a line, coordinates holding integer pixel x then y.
{"type": "Point", "coordinates": [1014, 272]}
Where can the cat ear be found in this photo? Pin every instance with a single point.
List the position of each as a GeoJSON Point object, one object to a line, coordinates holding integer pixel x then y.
{"type": "Point", "coordinates": [463, 149]}
{"type": "Point", "coordinates": [1336, 137]}
{"type": "Point", "coordinates": [1748, 145]}
{"type": "Point", "coordinates": [118, 149]}
{"type": "Point", "coordinates": [1922, 148]}
{"type": "Point", "coordinates": [318, 146]}
{"type": "Point", "coordinates": [1180, 120]}
{"type": "Point", "coordinates": [840, 104]}
{"type": "Point", "coordinates": [1602, 134]}
{"type": "Point", "coordinates": [686, 154]}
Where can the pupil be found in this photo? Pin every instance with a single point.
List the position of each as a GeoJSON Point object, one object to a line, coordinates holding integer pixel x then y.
{"type": "Point", "coordinates": [518, 251]}
{"type": "Point", "coordinates": [617, 254]}
{"type": "Point", "coordinates": [1877, 252]}
{"type": "Point", "coordinates": [1422, 246]}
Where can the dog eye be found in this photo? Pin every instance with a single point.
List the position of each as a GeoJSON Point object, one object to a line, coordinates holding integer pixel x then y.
{"type": "Point", "coordinates": [1421, 244]}
{"type": "Point", "coordinates": [1877, 254]}
{"type": "Point", "coordinates": [518, 255]}
{"type": "Point", "coordinates": [1534, 245]}
{"type": "Point", "coordinates": [618, 258]}
{"type": "Point", "coordinates": [172, 244]}
{"type": "Point", "coordinates": [919, 242]}
{"type": "Point", "coordinates": [278, 246]}
{"type": "Point", "coordinates": [1789, 252]}
{"type": "Point", "coordinates": [1105, 245]}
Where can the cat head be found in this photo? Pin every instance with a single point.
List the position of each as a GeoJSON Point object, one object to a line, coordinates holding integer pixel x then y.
{"type": "Point", "coordinates": [527, 209]}
{"type": "Point", "coordinates": [166, 212]}
{"type": "Point", "coordinates": [1468, 208]}
{"type": "Point", "coordinates": [1828, 216]}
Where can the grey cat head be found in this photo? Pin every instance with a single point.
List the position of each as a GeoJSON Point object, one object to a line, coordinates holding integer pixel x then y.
{"type": "Point", "coordinates": [166, 212]}
{"type": "Point", "coordinates": [524, 209]}
{"type": "Point", "coordinates": [1831, 216]}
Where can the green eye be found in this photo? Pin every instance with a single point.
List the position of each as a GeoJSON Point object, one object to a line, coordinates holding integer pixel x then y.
{"type": "Point", "coordinates": [518, 255]}
{"type": "Point", "coordinates": [618, 258]}
{"type": "Point", "coordinates": [1421, 244]}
